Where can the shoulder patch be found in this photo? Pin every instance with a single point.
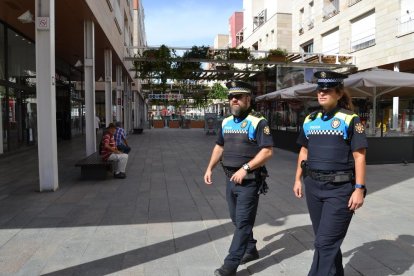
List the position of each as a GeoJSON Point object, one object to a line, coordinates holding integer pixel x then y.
{"type": "Point", "coordinates": [359, 128]}
{"type": "Point", "coordinates": [266, 130]}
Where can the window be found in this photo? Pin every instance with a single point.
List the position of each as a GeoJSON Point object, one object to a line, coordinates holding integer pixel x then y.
{"type": "Point", "coordinates": [330, 8]}
{"type": "Point", "coordinates": [406, 20]}
{"type": "Point", "coordinates": [363, 32]}
{"type": "Point", "coordinates": [330, 42]}
{"type": "Point", "coordinates": [259, 20]}
{"type": "Point", "coordinates": [307, 47]}
{"type": "Point", "coordinates": [310, 20]}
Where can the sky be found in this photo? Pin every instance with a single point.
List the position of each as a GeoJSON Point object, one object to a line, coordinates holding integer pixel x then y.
{"type": "Point", "coordinates": [185, 23]}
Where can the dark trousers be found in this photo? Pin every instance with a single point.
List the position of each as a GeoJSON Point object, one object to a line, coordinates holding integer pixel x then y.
{"type": "Point", "coordinates": [330, 215]}
{"type": "Point", "coordinates": [242, 201]}
{"type": "Point", "coordinates": [124, 148]}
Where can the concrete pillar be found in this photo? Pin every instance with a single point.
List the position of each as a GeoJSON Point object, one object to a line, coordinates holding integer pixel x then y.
{"type": "Point", "coordinates": [396, 103]}
{"type": "Point", "coordinates": [89, 54]}
{"type": "Point", "coordinates": [126, 103]}
{"type": "Point", "coordinates": [119, 93]}
{"type": "Point", "coordinates": [1, 129]}
{"type": "Point", "coordinates": [108, 86]}
{"type": "Point", "coordinates": [136, 109]}
{"type": "Point", "coordinates": [46, 95]}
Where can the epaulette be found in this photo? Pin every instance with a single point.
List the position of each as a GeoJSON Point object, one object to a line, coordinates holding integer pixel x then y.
{"type": "Point", "coordinates": [346, 111]}
{"type": "Point", "coordinates": [313, 115]}
{"type": "Point", "coordinates": [255, 114]}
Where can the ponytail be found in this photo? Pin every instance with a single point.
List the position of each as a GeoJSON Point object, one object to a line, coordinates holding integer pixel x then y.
{"type": "Point", "coordinates": [345, 101]}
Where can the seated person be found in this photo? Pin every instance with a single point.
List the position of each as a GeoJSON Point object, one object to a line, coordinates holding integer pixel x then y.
{"type": "Point", "coordinates": [110, 152]}
{"type": "Point", "coordinates": [120, 139]}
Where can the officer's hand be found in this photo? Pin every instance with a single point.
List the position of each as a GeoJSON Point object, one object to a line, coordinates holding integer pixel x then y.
{"type": "Point", "coordinates": [297, 189]}
{"type": "Point", "coordinates": [356, 200]}
{"type": "Point", "coordinates": [207, 177]}
{"type": "Point", "coordinates": [238, 176]}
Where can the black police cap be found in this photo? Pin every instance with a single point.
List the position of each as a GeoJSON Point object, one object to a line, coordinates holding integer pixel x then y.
{"type": "Point", "coordinates": [329, 79]}
{"type": "Point", "coordinates": [239, 87]}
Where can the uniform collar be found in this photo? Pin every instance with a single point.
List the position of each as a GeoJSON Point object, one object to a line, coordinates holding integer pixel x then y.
{"type": "Point", "coordinates": [328, 115]}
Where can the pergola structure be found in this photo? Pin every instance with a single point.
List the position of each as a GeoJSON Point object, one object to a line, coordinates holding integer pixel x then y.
{"type": "Point", "coordinates": [219, 65]}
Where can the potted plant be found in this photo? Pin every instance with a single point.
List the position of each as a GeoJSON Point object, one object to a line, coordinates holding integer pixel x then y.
{"type": "Point", "coordinates": [329, 59]}
{"type": "Point", "coordinates": [344, 59]}
{"type": "Point", "coordinates": [277, 54]}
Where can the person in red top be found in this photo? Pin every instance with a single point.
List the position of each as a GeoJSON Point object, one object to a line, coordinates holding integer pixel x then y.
{"type": "Point", "coordinates": [110, 152]}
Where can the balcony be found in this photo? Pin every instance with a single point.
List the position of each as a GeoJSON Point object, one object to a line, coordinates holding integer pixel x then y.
{"type": "Point", "coordinates": [353, 2]}
{"type": "Point", "coordinates": [330, 10]}
{"type": "Point", "coordinates": [405, 25]}
{"type": "Point", "coordinates": [259, 20]}
{"type": "Point", "coordinates": [363, 43]}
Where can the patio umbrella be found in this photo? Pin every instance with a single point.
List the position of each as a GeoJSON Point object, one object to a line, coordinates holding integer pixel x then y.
{"type": "Point", "coordinates": [377, 82]}
{"type": "Point", "coordinates": [296, 91]}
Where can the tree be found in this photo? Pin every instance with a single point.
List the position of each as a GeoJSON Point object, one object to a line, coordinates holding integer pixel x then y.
{"type": "Point", "coordinates": [218, 92]}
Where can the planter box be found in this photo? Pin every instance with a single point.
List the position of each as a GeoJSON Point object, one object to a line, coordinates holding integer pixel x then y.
{"type": "Point", "coordinates": [277, 58]}
{"type": "Point", "coordinates": [197, 124]}
{"type": "Point", "coordinates": [158, 123]}
{"type": "Point", "coordinates": [174, 124]}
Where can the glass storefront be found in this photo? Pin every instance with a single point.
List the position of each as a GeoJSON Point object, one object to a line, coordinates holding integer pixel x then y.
{"type": "Point", "coordinates": [18, 94]}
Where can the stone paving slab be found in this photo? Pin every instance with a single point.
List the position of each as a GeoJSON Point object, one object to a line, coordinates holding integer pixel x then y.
{"type": "Point", "coordinates": [163, 220]}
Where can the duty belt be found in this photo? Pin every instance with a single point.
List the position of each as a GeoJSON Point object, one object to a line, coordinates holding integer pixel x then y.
{"type": "Point", "coordinates": [334, 177]}
{"type": "Point", "coordinates": [229, 171]}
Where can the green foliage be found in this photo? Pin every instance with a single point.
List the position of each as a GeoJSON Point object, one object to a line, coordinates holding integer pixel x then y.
{"type": "Point", "coordinates": [278, 52]}
{"type": "Point", "coordinates": [238, 53]}
{"type": "Point", "coordinates": [218, 92]}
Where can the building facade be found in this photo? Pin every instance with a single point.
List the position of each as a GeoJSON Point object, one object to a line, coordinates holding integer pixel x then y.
{"type": "Point", "coordinates": [82, 43]}
{"type": "Point", "coordinates": [378, 33]}
{"type": "Point", "coordinates": [267, 24]}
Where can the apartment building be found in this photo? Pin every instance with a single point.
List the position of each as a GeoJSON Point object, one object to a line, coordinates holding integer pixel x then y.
{"type": "Point", "coordinates": [379, 33]}
{"type": "Point", "coordinates": [54, 55]}
{"type": "Point", "coordinates": [267, 24]}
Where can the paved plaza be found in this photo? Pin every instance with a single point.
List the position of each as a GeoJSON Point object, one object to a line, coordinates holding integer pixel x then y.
{"type": "Point", "coordinates": [163, 220]}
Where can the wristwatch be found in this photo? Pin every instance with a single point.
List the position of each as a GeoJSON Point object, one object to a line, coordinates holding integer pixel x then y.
{"type": "Point", "coordinates": [359, 186]}
{"type": "Point", "coordinates": [246, 167]}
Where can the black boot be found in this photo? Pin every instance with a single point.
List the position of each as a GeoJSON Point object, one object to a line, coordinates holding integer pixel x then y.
{"type": "Point", "coordinates": [225, 271]}
{"type": "Point", "coordinates": [251, 256]}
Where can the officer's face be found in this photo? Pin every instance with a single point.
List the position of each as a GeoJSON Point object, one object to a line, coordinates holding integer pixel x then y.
{"type": "Point", "coordinates": [239, 104]}
{"type": "Point", "coordinates": [328, 98]}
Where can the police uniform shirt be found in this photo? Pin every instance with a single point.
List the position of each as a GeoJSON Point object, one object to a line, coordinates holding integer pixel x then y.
{"type": "Point", "coordinates": [331, 138]}
{"type": "Point", "coordinates": [243, 138]}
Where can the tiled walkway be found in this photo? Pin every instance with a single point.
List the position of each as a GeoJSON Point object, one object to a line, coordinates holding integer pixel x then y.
{"type": "Point", "coordinates": [163, 220]}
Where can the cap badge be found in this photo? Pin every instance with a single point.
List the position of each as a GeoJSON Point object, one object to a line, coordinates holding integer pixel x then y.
{"type": "Point", "coordinates": [323, 74]}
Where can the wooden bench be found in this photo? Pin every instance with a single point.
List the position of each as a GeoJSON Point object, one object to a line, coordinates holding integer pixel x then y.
{"type": "Point", "coordinates": [93, 167]}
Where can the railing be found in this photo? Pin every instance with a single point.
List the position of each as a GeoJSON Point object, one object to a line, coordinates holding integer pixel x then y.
{"type": "Point", "coordinates": [363, 43]}
{"type": "Point", "coordinates": [330, 9]}
{"type": "Point", "coordinates": [110, 4]}
{"type": "Point", "coordinates": [259, 20]}
{"type": "Point", "coordinates": [405, 26]}
{"type": "Point", "coordinates": [353, 2]}
{"type": "Point", "coordinates": [119, 20]}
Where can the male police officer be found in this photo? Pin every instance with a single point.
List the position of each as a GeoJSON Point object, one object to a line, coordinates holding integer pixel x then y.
{"type": "Point", "coordinates": [244, 144]}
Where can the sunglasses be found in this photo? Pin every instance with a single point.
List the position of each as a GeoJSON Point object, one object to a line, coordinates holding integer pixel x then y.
{"type": "Point", "coordinates": [236, 96]}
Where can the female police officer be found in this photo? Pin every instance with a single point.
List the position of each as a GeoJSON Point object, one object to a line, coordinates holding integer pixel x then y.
{"type": "Point", "coordinates": [332, 163]}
